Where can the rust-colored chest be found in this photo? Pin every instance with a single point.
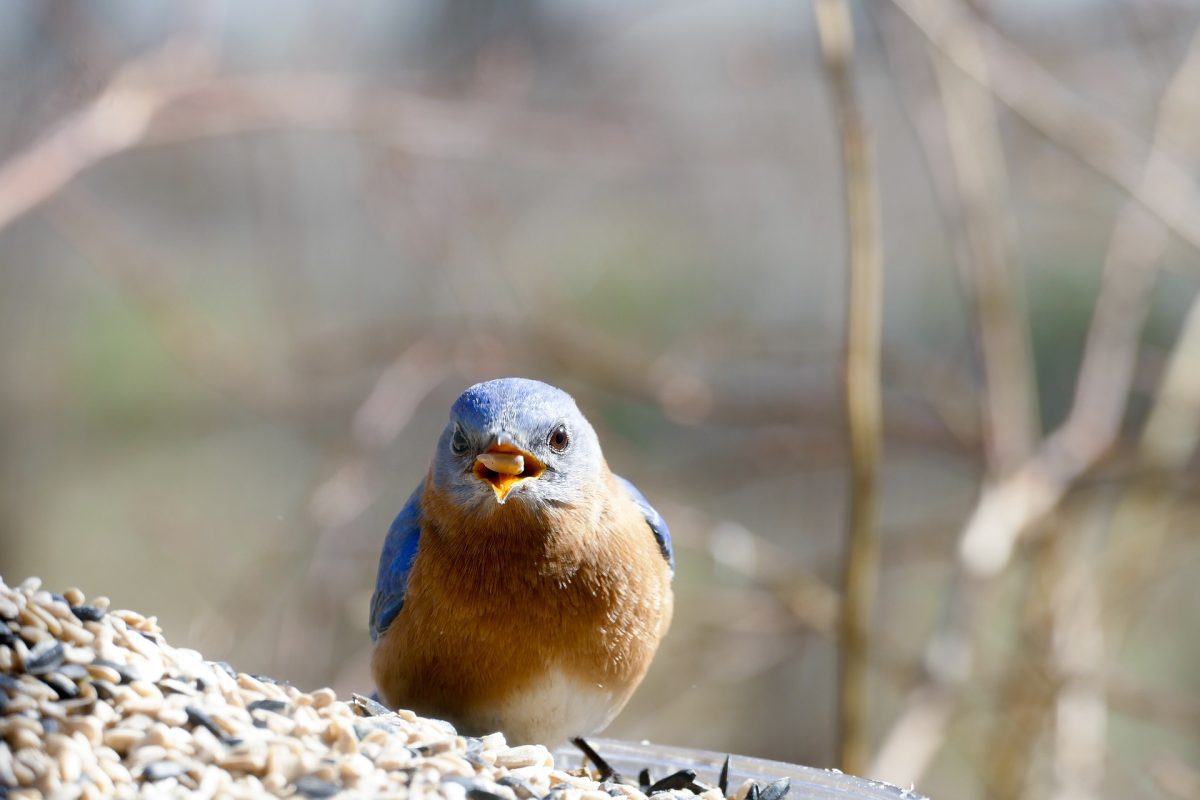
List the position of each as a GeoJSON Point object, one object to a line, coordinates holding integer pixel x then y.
{"type": "Point", "coordinates": [491, 610]}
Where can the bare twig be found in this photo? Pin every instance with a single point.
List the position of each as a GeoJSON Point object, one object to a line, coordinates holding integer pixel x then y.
{"type": "Point", "coordinates": [115, 121]}
{"type": "Point", "coordinates": [1106, 372]}
{"type": "Point", "coordinates": [977, 156]}
{"type": "Point", "coordinates": [1093, 612]}
{"type": "Point", "coordinates": [1011, 506]}
{"type": "Point", "coordinates": [1175, 710]}
{"type": "Point", "coordinates": [1023, 701]}
{"type": "Point", "coordinates": [1077, 653]}
{"type": "Point", "coordinates": [1176, 777]}
{"type": "Point", "coordinates": [1103, 144]}
{"type": "Point", "coordinates": [836, 34]}
{"type": "Point", "coordinates": [1140, 522]}
{"type": "Point", "coordinates": [175, 95]}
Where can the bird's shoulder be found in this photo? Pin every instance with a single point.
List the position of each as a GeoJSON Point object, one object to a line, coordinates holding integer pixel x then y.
{"type": "Point", "coordinates": [395, 564]}
{"type": "Point", "coordinates": [658, 525]}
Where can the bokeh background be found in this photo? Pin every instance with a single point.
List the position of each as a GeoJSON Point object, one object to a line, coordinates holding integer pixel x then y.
{"type": "Point", "coordinates": [250, 252]}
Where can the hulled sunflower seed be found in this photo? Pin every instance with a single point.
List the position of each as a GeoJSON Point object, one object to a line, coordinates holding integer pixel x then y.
{"type": "Point", "coordinates": [96, 703]}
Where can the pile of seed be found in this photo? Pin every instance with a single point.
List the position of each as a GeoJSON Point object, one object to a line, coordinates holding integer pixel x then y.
{"type": "Point", "coordinates": [95, 703]}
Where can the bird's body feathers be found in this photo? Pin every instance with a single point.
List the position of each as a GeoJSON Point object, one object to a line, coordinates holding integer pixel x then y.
{"type": "Point", "coordinates": [536, 618]}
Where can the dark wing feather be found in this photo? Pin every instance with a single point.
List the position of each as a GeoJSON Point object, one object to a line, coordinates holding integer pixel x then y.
{"type": "Point", "coordinates": [395, 563]}
{"type": "Point", "coordinates": [658, 525]}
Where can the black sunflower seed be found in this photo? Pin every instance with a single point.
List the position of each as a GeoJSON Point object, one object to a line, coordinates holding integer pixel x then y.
{"type": "Point", "coordinates": [775, 790]}
{"type": "Point", "coordinates": [45, 657]}
{"type": "Point", "coordinates": [88, 613]}
{"type": "Point", "coordinates": [602, 766]}
{"type": "Point", "coordinates": [104, 689]}
{"type": "Point", "coordinates": [65, 689]}
{"type": "Point", "coordinates": [267, 705]}
{"type": "Point", "coordinates": [197, 716]}
{"type": "Point", "coordinates": [676, 780]}
{"type": "Point", "coordinates": [312, 786]}
{"type": "Point", "coordinates": [76, 672]}
{"type": "Point", "coordinates": [477, 793]}
{"type": "Point", "coordinates": [174, 686]}
{"type": "Point", "coordinates": [368, 706]}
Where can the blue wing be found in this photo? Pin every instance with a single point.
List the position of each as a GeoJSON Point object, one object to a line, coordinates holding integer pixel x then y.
{"type": "Point", "coordinates": [658, 525]}
{"type": "Point", "coordinates": [395, 562]}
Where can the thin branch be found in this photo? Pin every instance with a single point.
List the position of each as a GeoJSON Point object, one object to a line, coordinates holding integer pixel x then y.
{"type": "Point", "coordinates": [116, 120]}
{"type": "Point", "coordinates": [1106, 372]}
{"type": "Point", "coordinates": [1007, 509]}
{"type": "Point", "coordinates": [1176, 777]}
{"type": "Point", "coordinates": [1143, 516]}
{"type": "Point", "coordinates": [1023, 703]}
{"type": "Point", "coordinates": [1096, 610]}
{"type": "Point", "coordinates": [971, 193]}
{"type": "Point", "coordinates": [978, 164]}
{"type": "Point", "coordinates": [862, 390]}
{"type": "Point", "coordinates": [1100, 142]}
{"type": "Point", "coordinates": [1077, 653]}
{"type": "Point", "coordinates": [175, 95]}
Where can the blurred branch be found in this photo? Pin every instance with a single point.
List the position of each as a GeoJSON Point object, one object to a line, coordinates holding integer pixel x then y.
{"type": "Point", "coordinates": [1077, 655]}
{"type": "Point", "coordinates": [1139, 525]}
{"type": "Point", "coordinates": [1169, 440]}
{"type": "Point", "coordinates": [972, 199]}
{"type": "Point", "coordinates": [978, 189]}
{"type": "Point", "coordinates": [1177, 711]}
{"type": "Point", "coordinates": [1108, 147]}
{"type": "Point", "coordinates": [978, 164]}
{"type": "Point", "coordinates": [1094, 610]}
{"type": "Point", "coordinates": [413, 123]}
{"type": "Point", "coordinates": [118, 119]}
{"type": "Point", "coordinates": [175, 95]}
{"type": "Point", "coordinates": [1023, 702]}
{"type": "Point", "coordinates": [1176, 777]}
{"type": "Point", "coordinates": [1006, 509]}
{"type": "Point", "coordinates": [835, 32]}
{"type": "Point", "coordinates": [1170, 710]}
{"type": "Point", "coordinates": [1106, 371]}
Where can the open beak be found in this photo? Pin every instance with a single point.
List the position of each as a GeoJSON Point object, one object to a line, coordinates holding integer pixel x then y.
{"type": "Point", "coordinates": [503, 465]}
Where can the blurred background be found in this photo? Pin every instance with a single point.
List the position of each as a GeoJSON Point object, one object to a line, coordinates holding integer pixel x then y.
{"type": "Point", "coordinates": [250, 253]}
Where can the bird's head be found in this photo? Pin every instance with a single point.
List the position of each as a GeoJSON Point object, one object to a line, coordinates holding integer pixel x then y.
{"type": "Point", "coordinates": [517, 440]}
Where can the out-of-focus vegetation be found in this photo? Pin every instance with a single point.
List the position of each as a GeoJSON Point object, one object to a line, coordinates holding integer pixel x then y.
{"type": "Point", "coordinates": [250, 252]}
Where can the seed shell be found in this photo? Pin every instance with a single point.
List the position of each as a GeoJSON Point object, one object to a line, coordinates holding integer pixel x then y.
{"type": "Point", "coordinates": [97, 703]}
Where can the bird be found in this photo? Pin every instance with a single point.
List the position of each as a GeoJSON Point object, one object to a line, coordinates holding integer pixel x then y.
{"type": "Point", "coordinates": [524, 587]}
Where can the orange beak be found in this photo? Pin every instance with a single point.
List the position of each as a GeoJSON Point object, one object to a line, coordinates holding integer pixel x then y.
{"type": "Point", "coordinates": [504, 465]}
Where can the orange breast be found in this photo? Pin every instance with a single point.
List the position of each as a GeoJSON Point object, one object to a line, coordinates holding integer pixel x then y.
{"type": "Point", "coordinates": [492, 610]}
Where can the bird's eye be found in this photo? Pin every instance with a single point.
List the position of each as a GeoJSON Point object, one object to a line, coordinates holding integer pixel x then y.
{"type": "Point", "coordinates": [458, 442]}
{"type": "Point", "coordinates": [559, 439]}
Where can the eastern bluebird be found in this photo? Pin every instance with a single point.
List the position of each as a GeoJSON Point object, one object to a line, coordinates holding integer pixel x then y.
{"type": "Point", "coordinates": [524, 587]}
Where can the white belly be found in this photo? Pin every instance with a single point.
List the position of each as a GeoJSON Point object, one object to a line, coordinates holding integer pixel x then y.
{"type": "Point", "coordinates": [551, 710]}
